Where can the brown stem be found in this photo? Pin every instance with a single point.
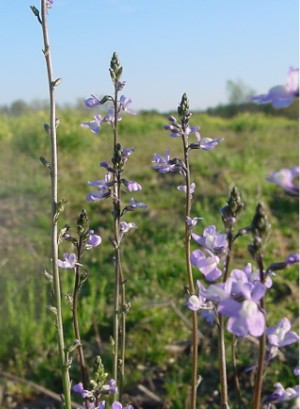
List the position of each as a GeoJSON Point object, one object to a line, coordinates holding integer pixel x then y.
{"type": "Point", "coordinates": [262, 346]}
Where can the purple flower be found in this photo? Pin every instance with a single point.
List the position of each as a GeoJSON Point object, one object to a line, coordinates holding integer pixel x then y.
{"type": "Point", "coordinates": [292, 84]}
{"type": "Point", "coordinates": [292, 259]}
{"type": "Point", "coordinates": [126, 152]}
{"type": "Point", "coordinates": [211, 239]}
{"type": "Point", "coordinates": [120, 85]}
{"type": "Point", "coordinates": [135, 205]}
{"type": "Point", "coordinates": [125, 227]}
{"type": "Point", "coordinates": [245, 318]}
{"type": "Point", "coordinates": [207, 265]}
{"type": "Point", "coordinates": [109, 118]}
{"type": "Point", "coordinates": [281, 394]}
{"type": "Point", "coordinates": [78, 388]}
{"type": "Point", "coordinates": [93, 240]}
{"type": "Point", "coordinates": [70, 261]}
{"type": "Point", "coordinates": [254, 276]}
{"type": "Point", "coordinates": [163, 163]}
{"type": "Point", "coordinates": [199, 302]}
{"type": "Point", "coordinates": [192, 222]}
{"type": "Point", "coordinates": [183, 189]}
{"type": "Point", "coordinates": [123, 105]}
{"type": "Point", "coordinates": [205, 144]}
{"type": "Point", "coordinates": [103, 186]}
{"type": "Point", "coordinates": [217, 292]}
{"type": "Point", "coordinates": [209, 313]}
{"type": "Point", "coordinates": [240, 285]}
{"type": "Point", "coordinates": [94, 125]}
{"type": "Point", "coordinates": [133, 186]}
{"type": "Point", "coordinates": [284, 178]}
{"type": "Point", "coordinates": [110, 387]}
{"type": "Point", "coordinates": [93, 101]}
{"type": "Point", "coordinates": [195, 302]}
{"type": "Point", "coordinates": [281, 96]}
{"type": "Point", "coordinates": [280, 335]}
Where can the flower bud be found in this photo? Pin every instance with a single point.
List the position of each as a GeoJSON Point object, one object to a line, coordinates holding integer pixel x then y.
{"type": "Point", "coordinates": [82, 222]}
{"type": "Point", "coordinates": [234, 207]}
{"type": "Point", "coordinates": [260, 229]}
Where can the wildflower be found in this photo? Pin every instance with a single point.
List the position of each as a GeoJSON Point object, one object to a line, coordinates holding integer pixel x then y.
{"type": "Point", "coordinates": [163, 163]}
{"type": "Point", "coordinates": [126, 152]}
{"type": "Point", "coordinates": [135, 205]}
{"type": "Point", "coordinates": [280, 334]}
{"type": "Point", "coordinates": [94, 125]}
{"type": "Point", "coordinates": [125, 227]}
{"type": "Point", "coordinates": [123, 105]}
{"type": "Point", "coordinates": [281, 394]}
{"type": "Point", "coordinates": [292, 84]}
{"type": "Point", "coordinates": [240, 285]}
{"type": "Point", "coordinates": [207, 265]}
{"type": "Point", "coordinates": [284, 178]}
{"type": "Point", "coordinates": [212, 239]}
{"type": "Point", "coordinates": [183, 189]}
{"type": "Point", "coordinates": [70, 261]}
{"type": "Point", "coordinates": [292, 259]}
{"type": "Point", "coordinates": [281, 96]}
{"type": "Point", "coordinates": [206, 144]}
{"type": "Point", "coordinates": [93, 241]}
{"type": "Point", "coordinates": [103, 186]}
{"type": "Point", "coordinates": [93, 101]}
{"type": "Point", "coordinates": [195, 302]}
{"type": "Point", "coordinates": [110, 387]}
{"type": "Point", "coordinates": [245, 318]}
{"type": "Point", "coordinates": [78, 388]}
{"type": "Point", "coordinates": [132, 186]}
{"type": "Point", "coordinates": [192, 222]}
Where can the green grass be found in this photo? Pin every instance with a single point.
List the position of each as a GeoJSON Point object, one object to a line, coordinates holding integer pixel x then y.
{"type": "Point", "coordinates": [153, 255]}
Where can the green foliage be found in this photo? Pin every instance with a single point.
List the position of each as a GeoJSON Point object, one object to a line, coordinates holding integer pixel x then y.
{"type": "Point", "coordinates": [254, 145]}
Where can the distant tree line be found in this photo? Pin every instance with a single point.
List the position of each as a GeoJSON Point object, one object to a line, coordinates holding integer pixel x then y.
{"type": "Point", "coordinates": [20, 107]}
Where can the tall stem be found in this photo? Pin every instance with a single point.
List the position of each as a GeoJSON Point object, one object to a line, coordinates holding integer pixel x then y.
{"type": "Point", "coordinates": [221, 332]}
{"type": "Point", "coordinates": [54, 230]}
{"type": "Point", "coordinates": [118, 369]}
{"type": "Point", "coordinates": [236, 378]}
{"type": "Point", "coordinates": [222, 363]}
{"type": "Point", "coordinates": [190, 276]}
{"type": "Point", "coordinates": [262, 346]}
{"type": "Point", "coordinates": [83, 368]}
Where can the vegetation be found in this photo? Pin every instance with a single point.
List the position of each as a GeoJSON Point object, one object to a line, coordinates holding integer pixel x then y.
{"type": "Point", "coordinates": [255, 143]}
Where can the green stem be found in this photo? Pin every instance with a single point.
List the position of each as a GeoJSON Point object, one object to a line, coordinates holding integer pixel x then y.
{"type": "Point", "coordinates": [83, 368]}
{"type": "Point", "coordinates": [194, 382]}
{"type": "Point", "coordinates": [54, 230]}
{"type": "Point", "coordinates": [222, 363]}
{"type": "Point", "coordinates": [221, 330]}
{"type": "Point", "coordinates": [122, 331]}
{"type": "Point", "coordinates": [117, 266]}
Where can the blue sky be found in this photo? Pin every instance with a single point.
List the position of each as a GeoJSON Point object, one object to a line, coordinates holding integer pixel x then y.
{"type": "Point", "coordinates": [166, 47]}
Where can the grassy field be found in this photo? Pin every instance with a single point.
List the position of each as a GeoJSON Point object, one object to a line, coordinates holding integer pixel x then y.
{"type": "Point", "coordinates": [158, 337]}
